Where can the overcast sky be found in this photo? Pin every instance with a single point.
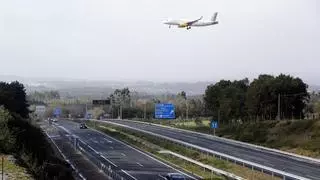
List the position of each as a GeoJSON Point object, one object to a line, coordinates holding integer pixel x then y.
{"type": "Point", "coordinates": [126, 40]}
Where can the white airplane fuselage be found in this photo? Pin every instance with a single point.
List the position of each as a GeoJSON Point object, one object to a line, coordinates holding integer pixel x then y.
{"type": "Point", "coordinates": [189, 23]}
{"type": "Point", "coordinates": [182, 24]}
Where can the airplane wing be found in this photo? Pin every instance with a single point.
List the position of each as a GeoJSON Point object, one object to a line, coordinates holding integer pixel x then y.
{"type": "Point", "coordinates": [191, 22]}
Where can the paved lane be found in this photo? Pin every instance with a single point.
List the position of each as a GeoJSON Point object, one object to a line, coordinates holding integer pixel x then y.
{"type": "Point", "coordinates": [263, 157]}
{"type": "Point", "coordinates": [130, 161]}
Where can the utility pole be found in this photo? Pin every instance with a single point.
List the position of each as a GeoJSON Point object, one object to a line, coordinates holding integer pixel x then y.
{"type": "Point", "coordinates": [121, 111]}
{"type": "Point", "coordinates": [145, 110]}
{"type": "Point", "coordinates": [278, 115]}
{"type": "Point", "coordinates": [86, 111]}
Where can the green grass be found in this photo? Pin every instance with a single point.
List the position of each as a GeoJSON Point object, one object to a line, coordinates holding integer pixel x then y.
{"type": "Point", "coordinates": [14, 171]}
{"type": "Point", "coordinates": [153, 145]}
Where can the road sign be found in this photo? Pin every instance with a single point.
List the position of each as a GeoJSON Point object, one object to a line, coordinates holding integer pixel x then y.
{"type": "Point", "coordinates": [214, 124]}
{"type": "Point", "coordinates": [164, 111]}
{"type": "Point", "coordinates": [88, 116]}
{"type": "Point", "coordinates": [101, 102]}
{"type": "Point", "coordinates": [57, 111]}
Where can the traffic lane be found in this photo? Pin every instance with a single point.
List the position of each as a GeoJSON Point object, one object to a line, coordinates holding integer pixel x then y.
{"type": "Point", "coordinates": [277, 162]}
{"type": "Point", "coordinates": [87, 169]}
{"type": "Point", "coordinates": [132, 161]}
{"type": "Point", "coordinates": [122, 155]}
{"type": "Point", "coordinates": [280, 163]}
{"type": "Point", "coordinates": [92, 153]}
{"type": "Point", "coordinates": [271, 160]}
{"type": "Point", "coordinates": [116, 150]}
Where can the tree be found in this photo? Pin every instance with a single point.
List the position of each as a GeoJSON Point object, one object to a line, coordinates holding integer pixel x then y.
{"type": "Point", "coordinates": [225, 99]}
{"type": "Point", "coordinates": [13, 98]}
{"type": "Point", "coordinates": [263, 92]}
{"type": "Point", "coordinates": [120, 99]}
{"type": "Point", "coordinates": [183, 94]}
{"type": "Point", "coordinates": [7, 139]}
{"type": "Point", "coordinates": [97, 112]}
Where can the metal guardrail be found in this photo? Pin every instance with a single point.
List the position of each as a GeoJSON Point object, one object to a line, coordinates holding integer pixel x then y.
{"type": "Point", "coordinates": [65, 158]}
{"type": "Point", "coordinates": [107, 169]}
{"type": "Point", "coordinates": [275, 151]}
{"type": "Point", "coordinates": [252, 165]}
{"type": "Point", "coordinates": [210, 168]}
{"type": "Point", "coordinates": [95, 157]}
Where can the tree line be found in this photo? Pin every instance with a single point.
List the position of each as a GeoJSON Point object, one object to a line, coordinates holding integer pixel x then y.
{"type": "Point", "coordinates": [241, 100]}
{"type": "Point", "coordinates": [225, 100]}
{"type": "Point", "coordinates": [25, 140]}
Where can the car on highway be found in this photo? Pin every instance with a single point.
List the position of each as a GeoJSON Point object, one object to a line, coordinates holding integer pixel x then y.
{"type": "Point", "coordinates": [83, 126]}
{"type": "Point", "coordinates": [175, 176]}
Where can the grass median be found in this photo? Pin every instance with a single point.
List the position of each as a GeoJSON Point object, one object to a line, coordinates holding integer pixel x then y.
{"type": "Point", "coordinates": [153, 145]}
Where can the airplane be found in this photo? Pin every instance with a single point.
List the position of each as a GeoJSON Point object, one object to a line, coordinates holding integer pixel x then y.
{"type": "Point", "coordinates": [187, 24]}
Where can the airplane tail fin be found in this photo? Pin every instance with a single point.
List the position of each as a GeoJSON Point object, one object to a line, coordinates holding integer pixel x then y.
{"type": "Point", "coordinates": [214, 17]}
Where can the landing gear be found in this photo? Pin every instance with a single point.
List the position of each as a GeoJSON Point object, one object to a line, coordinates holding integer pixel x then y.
{"type": "Point", "coordinates": [188, 27]}
{"type": "Point", "coordinates": [169, 26]}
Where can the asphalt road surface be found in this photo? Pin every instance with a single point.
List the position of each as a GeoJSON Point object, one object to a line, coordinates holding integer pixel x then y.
{"type": "Point", "coordinates": [81, 163]}
{"type": "Point", "coordinates": [263, 157]}
{"type": "Point", "coordinates": [131, 162]}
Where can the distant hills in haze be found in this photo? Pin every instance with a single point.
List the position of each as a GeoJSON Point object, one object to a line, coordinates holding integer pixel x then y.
{"type": "Point", "coordinates": [104, 88]}
{"type": "Point", "coordinates": [71, 88]}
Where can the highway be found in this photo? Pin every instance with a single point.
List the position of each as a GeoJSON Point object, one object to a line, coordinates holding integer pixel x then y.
{"type": "Point", "coordinates": [264, 157]}
{"type": "Point", "coordinates": [131, 163]}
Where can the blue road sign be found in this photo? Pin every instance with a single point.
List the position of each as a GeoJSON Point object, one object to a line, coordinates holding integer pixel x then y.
{"type": "Point", "coordinates": [57, 111]}
{"type": "Point", "coordinates": [214, 124]}
{"type": "Point", "coordinates": [164, 111]}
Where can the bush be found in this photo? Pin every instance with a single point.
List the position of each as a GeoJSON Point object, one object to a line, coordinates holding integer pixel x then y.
{"type": "Point", "coordinates": [198, 121]}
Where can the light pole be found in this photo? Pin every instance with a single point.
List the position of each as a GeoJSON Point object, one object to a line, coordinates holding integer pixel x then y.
{"type": "Point", "coordinates": [145, 110]}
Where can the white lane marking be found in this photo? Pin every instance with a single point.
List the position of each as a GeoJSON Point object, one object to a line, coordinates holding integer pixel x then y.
{"type": "Point", "coordinates": [108, 160]}
{"type": "Point", "coordinates": [66, 130]}
{"type": "Point", "coordinates": [107, 140]}
{"type": "Point", "coordinates": [54, 136]}
{"type": "Point", "coordinates": [93, 149]}
{"type": "Point", "coordinates": [143, 153]}
{"type": "Point", "coordinates": [128, 174]}
{"type": "Point", "coordinates": [123, 154]}
{"type": "Point", "coordinates": [140, 164]}
{"type": "Point", "coordinates": [111, 147]}
{"type": "Point", "coordinates": [161, 176]}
